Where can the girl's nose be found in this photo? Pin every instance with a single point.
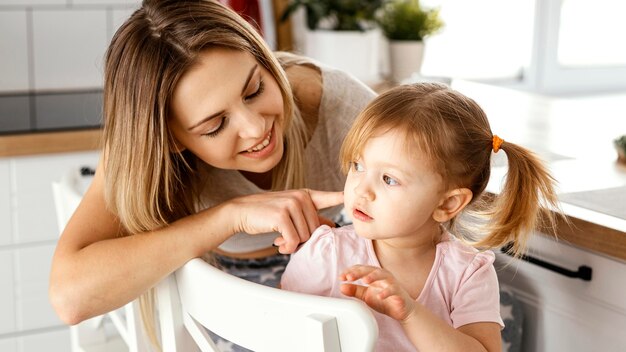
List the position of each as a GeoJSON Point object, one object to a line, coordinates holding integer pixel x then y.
{"type": "Point", "coordinates": [250, 124]}
{"type": "Point", "coordinates": [363, 190]}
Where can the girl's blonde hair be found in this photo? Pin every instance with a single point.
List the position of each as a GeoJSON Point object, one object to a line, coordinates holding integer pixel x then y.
{"type": "Point", "coordinates": [147, 184]}
{"type": "Point", "coordinates": [454, 133]}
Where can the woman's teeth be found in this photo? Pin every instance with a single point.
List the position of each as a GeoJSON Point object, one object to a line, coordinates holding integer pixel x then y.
{"type": "Point", "coordinates": [261, 145]}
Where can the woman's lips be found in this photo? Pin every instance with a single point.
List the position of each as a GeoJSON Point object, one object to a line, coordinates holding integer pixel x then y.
{"type": "Point", "coordinates": [266, 150]}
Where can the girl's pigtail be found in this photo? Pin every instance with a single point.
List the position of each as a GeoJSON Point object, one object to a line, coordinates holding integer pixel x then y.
{"type": "Point", "coordinates": [527, 201]}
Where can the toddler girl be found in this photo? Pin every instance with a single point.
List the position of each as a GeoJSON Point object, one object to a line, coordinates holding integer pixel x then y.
{"type": "Point", "coordinates": [417, 157]}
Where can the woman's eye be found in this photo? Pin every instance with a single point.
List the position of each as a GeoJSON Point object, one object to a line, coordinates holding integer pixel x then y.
{"type": "Point", "coordinates": [214, 132]}
{"type": "Point", "coordinates": [257, 92]}
{"type": "Point", "coordinates": [389, 180]}
{"type": "Point", "coordinates": [357, 166]}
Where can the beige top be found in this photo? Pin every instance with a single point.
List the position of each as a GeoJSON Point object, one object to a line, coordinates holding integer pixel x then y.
{"type": "Point", "coordinates": [343, 97]}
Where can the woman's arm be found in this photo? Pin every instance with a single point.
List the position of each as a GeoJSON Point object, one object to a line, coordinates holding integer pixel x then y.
{"type": "Point", "coordinates": [96, 268]}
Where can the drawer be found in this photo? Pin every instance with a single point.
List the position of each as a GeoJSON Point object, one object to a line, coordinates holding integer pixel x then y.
{"type": "Point", "coordinates": [567, 314]}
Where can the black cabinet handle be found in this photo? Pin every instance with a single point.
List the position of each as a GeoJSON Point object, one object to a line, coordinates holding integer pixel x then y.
{"type": "Point", "coordinates": [87, 171]}
{"type": "Point", "coordinates": [584, 272]}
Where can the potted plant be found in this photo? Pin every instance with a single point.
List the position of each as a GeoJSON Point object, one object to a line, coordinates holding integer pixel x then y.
{"type": "Point", "coordinates": [405, 23]}
{"type": "Point", "coordinates": [620, 147]}
{"type": "Point", "coordinates": [341, 33]}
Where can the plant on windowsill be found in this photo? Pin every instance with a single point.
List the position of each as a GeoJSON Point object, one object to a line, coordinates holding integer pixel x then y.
{"type": "Point", "coordinates": [620, 147]}
{"type": "Point", "coordinates": [341, 33]}
{"type": "Point", "coordinates": [406, 23]}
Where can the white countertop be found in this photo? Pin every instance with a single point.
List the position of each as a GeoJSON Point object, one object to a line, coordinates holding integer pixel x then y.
{"type": "Point", "coordinates": [575, 136]}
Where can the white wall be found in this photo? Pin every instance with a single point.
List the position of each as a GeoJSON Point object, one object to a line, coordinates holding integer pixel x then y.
{"type": "Point", "coordinates": [56, 45]}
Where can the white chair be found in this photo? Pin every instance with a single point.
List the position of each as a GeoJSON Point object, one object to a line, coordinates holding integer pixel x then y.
{"type": "Point", "coordinates": [119, 330]}
{"type": "Point", "coordinates": [199, 296]}
{"type": "Point", "coordinates": [257, 317]}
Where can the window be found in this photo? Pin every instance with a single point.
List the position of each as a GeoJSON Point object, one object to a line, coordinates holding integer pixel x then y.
{"type": "Point", "coordinates": [548, 46]}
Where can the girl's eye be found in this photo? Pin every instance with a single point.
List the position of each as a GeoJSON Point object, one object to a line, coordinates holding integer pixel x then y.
{"type": "Point", "coordinates": [214, 132]}
{"type": "Point", "coordinates": [356, 166]}
{"type": "Point", "coordinates": [259, 91]}
{"type": "Point", "coordinates": [390, 181]}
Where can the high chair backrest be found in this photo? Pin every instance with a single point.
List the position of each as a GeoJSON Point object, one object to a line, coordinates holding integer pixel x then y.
{"type": "Point", "coordinates": [97, 334]}
{"type": "Point", "coordinates": [260, 318]}
{"type": "Point", "coordinates": [198, 297]}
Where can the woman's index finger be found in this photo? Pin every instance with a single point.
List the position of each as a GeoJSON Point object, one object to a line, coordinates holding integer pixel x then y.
{"type": "Point", "coordinates": [323, 199]}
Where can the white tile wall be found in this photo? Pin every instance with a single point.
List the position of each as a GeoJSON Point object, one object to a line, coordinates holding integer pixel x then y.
{"type": "Point", "coordinates": [7, 293]}
{"type": "Point", "coordinates": [65, 48]}
{"type": "Point", "coordinates": [8, 344]}
{"type": "Point", "coordinates": [53, 341]}
{"type": "Point", "coordinates": [134, 3]}
{"type": "Point", "coordinates": [33, 309]}
{"type": "Point", "coordinates": [34, 176]}
{"type": "Point", "coordinates": [14, 49]}
{"type": "Point", "coordinates": [24, 3]}
{"type": "Point", "coordinates": [118, 17]}
{"type": "Point", "coordinates": [6, 229]}
{"type": "Point", "coordinates": [77, 59]}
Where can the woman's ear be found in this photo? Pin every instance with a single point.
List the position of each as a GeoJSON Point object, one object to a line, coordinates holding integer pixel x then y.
{"type": "Point", "coordinates": [452, 203]}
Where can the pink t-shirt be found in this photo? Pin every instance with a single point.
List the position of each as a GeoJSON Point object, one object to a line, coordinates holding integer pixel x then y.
{"type": "Point", "coordinates": [461, 288]}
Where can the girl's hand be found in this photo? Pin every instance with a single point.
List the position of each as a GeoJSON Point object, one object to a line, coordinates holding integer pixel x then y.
{"type": "Point", "coordinates": [293, 213]}
{"type": "Point", "coordinates": [383, 293]}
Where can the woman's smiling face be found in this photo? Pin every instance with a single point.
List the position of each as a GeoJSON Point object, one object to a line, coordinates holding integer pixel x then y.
{"type": "Point", "coordinates": [228, 110]}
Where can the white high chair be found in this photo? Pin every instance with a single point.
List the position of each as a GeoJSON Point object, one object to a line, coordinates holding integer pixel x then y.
{"type": "Point", "coordinates": [119, 330]}
{"type": "Point", "coordinates": [199, 297]}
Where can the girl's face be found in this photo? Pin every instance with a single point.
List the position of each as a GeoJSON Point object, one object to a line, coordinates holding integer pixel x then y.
{"type": "Point", "coordinates": [228, 111]}
{"type": "Point", "coordinates": [391, 194]}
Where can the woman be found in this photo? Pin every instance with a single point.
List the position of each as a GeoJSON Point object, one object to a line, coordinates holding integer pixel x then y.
{"type": "Point", "coordinates": [201, 120]}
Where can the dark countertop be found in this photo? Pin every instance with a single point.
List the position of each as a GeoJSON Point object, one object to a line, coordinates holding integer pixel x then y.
{"type": "Point", "coordinates": [52, 111]}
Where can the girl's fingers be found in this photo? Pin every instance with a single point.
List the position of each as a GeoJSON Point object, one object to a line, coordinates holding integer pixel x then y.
{"type": "Point", "coordinates": [356, 272]}
{"type": "Point", "coordinates": [356, 291]}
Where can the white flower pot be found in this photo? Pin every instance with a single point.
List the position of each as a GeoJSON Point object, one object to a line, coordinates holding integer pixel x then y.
{"type": "Point", "coordinates": [354, 52]}
{"type": "Point", "coordinates": [405, 58]}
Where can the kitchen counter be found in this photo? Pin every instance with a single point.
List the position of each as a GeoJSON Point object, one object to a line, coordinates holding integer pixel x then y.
{"type": "Point", "coordinates": [49, 142]}
{"type": "Point", "coordinates": [574, 135]}
{"type": "Point", "coordinates": [49, 122]}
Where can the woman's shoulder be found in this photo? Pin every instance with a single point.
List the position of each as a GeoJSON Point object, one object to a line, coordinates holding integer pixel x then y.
{"type": "Point", "coordinates": [306, 85]}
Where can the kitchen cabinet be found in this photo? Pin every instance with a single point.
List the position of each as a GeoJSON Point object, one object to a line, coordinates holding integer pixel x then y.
{"type": "Point", "coordinates": [574, 136]}
{"type": "Point", "coordinates": [568, 314]}
{"type": "Point", "coordinates": [28, 236]}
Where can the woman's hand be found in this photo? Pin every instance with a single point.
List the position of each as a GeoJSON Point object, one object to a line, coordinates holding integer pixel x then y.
{"type": "Point", "coordinates": [291, 213]}
{"type": "Point", "coordinates": [383, 293]}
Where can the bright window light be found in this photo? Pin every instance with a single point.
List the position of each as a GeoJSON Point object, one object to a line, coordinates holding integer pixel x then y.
{"type": "Point", "coordinates": [592, 33]}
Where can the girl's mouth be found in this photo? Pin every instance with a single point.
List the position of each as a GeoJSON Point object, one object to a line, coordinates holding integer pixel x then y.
{"type": "Point", "coordinates": [361, 216]}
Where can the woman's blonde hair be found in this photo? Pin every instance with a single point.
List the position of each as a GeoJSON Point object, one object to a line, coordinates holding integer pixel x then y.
{"type": "Point", "coordinates": [147, 184]}
{"type": "Point", "coordinates": [455, 135]}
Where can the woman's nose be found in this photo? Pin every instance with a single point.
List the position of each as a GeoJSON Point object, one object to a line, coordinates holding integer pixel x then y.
{"type": "Point", "coordinates": [250, 124]}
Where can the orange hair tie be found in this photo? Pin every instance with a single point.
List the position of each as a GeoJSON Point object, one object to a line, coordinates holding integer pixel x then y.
{"type": "Point", "coordinates": [497, 142]}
